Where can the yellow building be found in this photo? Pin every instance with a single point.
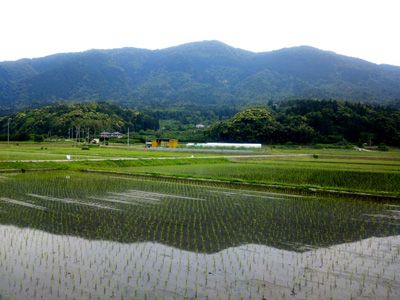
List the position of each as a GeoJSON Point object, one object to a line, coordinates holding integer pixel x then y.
{"type": "Point", "coordinates": [169, 143]}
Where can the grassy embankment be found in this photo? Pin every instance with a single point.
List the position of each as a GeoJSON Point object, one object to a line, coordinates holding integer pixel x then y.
{"type": "Point", "coordinates": [338, 169]}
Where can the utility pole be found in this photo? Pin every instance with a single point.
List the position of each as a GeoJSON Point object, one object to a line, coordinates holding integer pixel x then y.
{"type": "Point", "coordinates": [77, 133]}
{"type": "Point", "coordinates": [8, 131]}
{"type": "Point", "coordinates": [128, 136]}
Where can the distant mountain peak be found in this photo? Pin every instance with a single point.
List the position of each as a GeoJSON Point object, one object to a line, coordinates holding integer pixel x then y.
{"type": "Point", "coordinates": [206, 47]}
{"type": "Point", "coordinates": [203, 73]}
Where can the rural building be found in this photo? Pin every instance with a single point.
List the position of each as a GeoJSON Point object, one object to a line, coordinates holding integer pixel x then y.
{"type": "Point", "coordinates": [168, 143]}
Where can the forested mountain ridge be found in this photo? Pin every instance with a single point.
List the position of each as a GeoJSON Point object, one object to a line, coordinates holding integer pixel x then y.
{"type": "Point", "coordinates": [201, 73]}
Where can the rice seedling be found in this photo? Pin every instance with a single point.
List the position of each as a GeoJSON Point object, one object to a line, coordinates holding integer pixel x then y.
{"type": "Point", "coordinates": [90, 236]}
{"type": "Point", "coordinates": [366, 176]}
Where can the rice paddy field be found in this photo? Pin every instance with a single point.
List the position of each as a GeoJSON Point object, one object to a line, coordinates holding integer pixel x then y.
{"type": "Point", "coordinates": [188, 225]}
{"type": "Point", "coordinates": [58, 151]}
{"type": "Point", "coordinates": [372, 176]}
{"type": "Point", "coordinates": [302, 167]}
{"type": "Point", "coordinates": [74, 235]}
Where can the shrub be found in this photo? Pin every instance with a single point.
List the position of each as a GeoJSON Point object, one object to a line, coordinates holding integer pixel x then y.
{"type": "Point", "coordinates": [382, 147]}
{"type": "Point", "coordinates": [38, 138]}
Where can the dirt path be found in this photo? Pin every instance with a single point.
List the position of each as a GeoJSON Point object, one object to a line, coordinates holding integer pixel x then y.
{"type": "Point", "coordinates": [158, 158]}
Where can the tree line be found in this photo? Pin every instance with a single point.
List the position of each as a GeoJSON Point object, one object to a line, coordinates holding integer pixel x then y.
{"type": "Point", "coordinates": [71, 120]}
{"type": "Point", "coordinates": [297, 121]}
{"type": "Point", "coordinates": [311, 121]}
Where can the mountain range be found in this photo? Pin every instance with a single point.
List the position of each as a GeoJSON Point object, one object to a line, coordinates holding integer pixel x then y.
{"type": "Point", "coordinates": [200, 73]}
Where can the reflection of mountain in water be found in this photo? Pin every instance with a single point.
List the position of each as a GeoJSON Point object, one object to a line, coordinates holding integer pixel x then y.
{"type": "Point", "coordinates": [36, 264]}
{"type": "Point", "coordinates": [197, 218]}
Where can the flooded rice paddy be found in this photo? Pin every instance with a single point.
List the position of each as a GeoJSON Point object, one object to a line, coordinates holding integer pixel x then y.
{"type": "Point", "coordinates": [92, 236]}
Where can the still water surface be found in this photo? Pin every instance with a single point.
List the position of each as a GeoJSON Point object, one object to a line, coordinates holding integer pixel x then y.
{"type": "Point", "coordinates": [89, 236]}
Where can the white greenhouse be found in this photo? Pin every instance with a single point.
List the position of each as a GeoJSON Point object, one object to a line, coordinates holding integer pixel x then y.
{"type": "Point", "coordinates": [225, 145]}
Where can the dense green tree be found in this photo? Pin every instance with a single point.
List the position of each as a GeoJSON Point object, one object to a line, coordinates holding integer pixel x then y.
{"type": "Point", "coordinates": [65, 120]}
{"type": "Point", "coordinates": [312, 121]}
{"type": "Point", "coordinates": [299, 121]}
{"type": "Point", "coordinates": [249, 125]}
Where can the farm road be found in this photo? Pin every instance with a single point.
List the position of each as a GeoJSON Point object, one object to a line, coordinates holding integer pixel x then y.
{"type": "Point", "coordinates": [159, 158]}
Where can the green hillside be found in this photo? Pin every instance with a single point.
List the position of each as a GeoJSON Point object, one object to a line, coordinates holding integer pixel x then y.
{"type": "Point", "coordinates": [65, 120]}
{"type": "Point", "coordinates": [207, 74]}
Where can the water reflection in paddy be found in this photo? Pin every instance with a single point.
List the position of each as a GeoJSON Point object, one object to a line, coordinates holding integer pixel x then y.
{"type": "Point", "coordinates": [95, 236]}
{"type": "Point", "coordinates": [38, 265]}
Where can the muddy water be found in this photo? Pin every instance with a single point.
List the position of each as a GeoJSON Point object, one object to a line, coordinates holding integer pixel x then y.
{"type": "Point", "coordinates": [38, 265]}
{"type": "Point", "coordinates": [87, 236]}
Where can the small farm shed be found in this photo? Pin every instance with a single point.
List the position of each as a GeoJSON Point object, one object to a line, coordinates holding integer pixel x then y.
{"type": "Point", "coordinates": [168, 143]}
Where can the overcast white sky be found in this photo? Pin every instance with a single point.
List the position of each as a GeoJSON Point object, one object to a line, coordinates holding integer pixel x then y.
{"type": "Point", "coordinates": [368, 29]}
